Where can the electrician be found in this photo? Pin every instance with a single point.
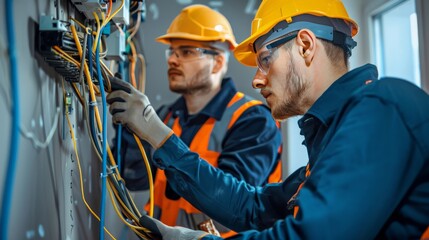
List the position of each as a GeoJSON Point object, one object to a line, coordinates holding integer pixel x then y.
{"type": "Point", "coordinates": [225, 127]}
{"type": "Point", "coordinates": [367, 139]}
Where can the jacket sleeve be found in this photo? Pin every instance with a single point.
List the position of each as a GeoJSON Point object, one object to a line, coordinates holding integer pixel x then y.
{"type": "Point", "coordinates": [250, 148]}
{"type": "Point", "coordinates": [210, 189]}
{"type": "Point", "coordinates": [354, 187]}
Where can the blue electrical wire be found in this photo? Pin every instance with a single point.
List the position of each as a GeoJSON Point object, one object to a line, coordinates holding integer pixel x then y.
{"type": "Point", "coordinates": [119, 129]}
{"type": "Point", "coordinates": [104, 143]}
{"type": "Point", "coordinates": [14, 139]}
{"type": "Point", "coordinates": [118, 146]}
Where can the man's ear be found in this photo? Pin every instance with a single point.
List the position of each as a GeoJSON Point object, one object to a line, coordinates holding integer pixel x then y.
{"type": "Point", "coordinates": [306, 41]}
{"type": "Point", "coordinates": [219, 62]}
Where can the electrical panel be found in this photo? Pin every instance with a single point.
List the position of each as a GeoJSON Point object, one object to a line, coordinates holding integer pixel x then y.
{"type": "Point", "coordinates": [88, 7]}
{"type": "Point", "coordinates": [80, 49]}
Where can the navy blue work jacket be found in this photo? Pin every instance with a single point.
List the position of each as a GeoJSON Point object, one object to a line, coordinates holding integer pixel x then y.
{"type": "Point", "coordinates": [368, 146]}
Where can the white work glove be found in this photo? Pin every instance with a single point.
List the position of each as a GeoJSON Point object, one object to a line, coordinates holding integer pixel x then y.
{"type": "Point", "coordinates": [132, 108]}
{"type": "Point", "coordinates": [165, 232]}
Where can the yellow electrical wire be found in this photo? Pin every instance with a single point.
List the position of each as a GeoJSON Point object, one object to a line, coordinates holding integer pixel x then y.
{"type": "Point", "coordinates": [103, 65]}
{"type": "Point", "coordinates": [74, 34]}
{"type": "Point", "coordinates": [114, 13]}
{"type": "Point", "coordinates": [80, 169]}
{"type": "Point", "coordinates": [91, 87]}
{"type": "Point", "coordinates": [78, 23]}
{"type": "Point", "coordinates": [105, 21]}
{"type": "Point", "coordinates": [146, 162]}
{"type": "Point", "coordinates": [64, 55]}
{"type": "Point", "coordinates": [68, 58]}
{"type": "Point", "coordinates": [125, 208]}
{"type": "Point", "coordinates": [131, 217]}
{"type": "Point", "coordinates": [142, 77]}
{"type": "Point", "coordinates": [133, 82]}
{"type": "Point", "coordinates": [82, 188]}
{"type": "Point", "coordinates": [109, 151]}
{"type": "Point", "coordinates": [57, 50]}
{"type": "Point", "coordinates": [82, 96]}
{"type": "Point", "coordinates": [132, 64]}
{"type": "Point", "coordinates": [111, 190]}
{"type": "Point", "coordinates": [99, 126]}
{"type": "Point", "coordinates": [97, 21]}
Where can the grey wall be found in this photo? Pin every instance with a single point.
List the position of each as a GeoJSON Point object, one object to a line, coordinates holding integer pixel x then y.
{"type": "Point", "coordinates": [46, 201]}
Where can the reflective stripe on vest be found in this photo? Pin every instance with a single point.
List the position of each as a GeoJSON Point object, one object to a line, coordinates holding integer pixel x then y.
{"type": "Point", "coordinates": [291, 204]}
{"type": "Point", "coordinates": [207, 142]}
{"type": "Point", "coordinates": [425, 235]}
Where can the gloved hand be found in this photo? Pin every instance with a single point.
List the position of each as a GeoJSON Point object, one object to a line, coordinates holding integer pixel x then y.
{"type": "Point", "coordinates": [169, 233]}
{"type": "Point", "coordinates": [132, 108]}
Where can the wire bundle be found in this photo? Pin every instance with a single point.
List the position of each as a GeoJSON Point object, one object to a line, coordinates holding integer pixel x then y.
{"type": "Point", "coordinates": [84, 51]}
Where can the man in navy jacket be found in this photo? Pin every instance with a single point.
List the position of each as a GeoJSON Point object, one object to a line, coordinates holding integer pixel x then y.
{"type": "Point", "coordinates": [367, 139]}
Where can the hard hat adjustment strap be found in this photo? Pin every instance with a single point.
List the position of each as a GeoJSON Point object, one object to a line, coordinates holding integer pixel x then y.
{"type": "Point", "coordinates": [323, 27]}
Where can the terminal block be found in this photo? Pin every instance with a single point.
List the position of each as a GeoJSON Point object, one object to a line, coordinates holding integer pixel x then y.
{"type": "Point", "coordinates": [52, 32]}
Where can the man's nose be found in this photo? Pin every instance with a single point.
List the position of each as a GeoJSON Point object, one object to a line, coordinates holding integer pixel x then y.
{"type": "Point", "coordinates": [173, 59]}
{"type": "Point", "coordinates": [259, 80]}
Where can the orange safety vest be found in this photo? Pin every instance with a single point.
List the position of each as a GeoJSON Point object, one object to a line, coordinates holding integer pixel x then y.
{"type": "Point", "coordinates": [207, 143]}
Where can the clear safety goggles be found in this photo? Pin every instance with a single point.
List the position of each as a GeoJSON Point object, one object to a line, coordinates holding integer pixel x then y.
{"type": "Point", "coordinates": [267, 54]}
{"type": "Point", "coordinates": [186, 54]}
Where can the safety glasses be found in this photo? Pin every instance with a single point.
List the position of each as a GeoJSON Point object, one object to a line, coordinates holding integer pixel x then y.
{"type": "Point", "coordinates": [266, 56]}
{"type": "Point", "coordinates": [186, 54]}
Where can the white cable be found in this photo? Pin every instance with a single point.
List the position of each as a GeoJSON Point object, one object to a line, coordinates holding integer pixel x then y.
{"type": "Point", "coordinates": [37, 143]}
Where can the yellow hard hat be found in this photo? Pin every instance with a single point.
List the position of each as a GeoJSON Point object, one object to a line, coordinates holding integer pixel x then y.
{"type": "Point", "coordinates": [200, 23]}
{"type": "Point", "coordinates": [272, 12]}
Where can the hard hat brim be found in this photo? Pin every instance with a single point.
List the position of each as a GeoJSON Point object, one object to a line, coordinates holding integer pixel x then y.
{"type": "Point", "coordinates": [165, 39]}
{"type": "Point", "coordinates": [244, 52]}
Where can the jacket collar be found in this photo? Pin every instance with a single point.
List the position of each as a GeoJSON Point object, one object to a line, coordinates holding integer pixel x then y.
{"type": "Point", "coordinates": [338, 93]}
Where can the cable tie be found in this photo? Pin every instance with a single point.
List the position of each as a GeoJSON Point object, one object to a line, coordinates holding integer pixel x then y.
{"type": "Point", "coordinates": [103, 175]}
{"type": "Point", "coordinates": [92, 103]}
{"type": "Point", "coordinates": [110, 169]}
